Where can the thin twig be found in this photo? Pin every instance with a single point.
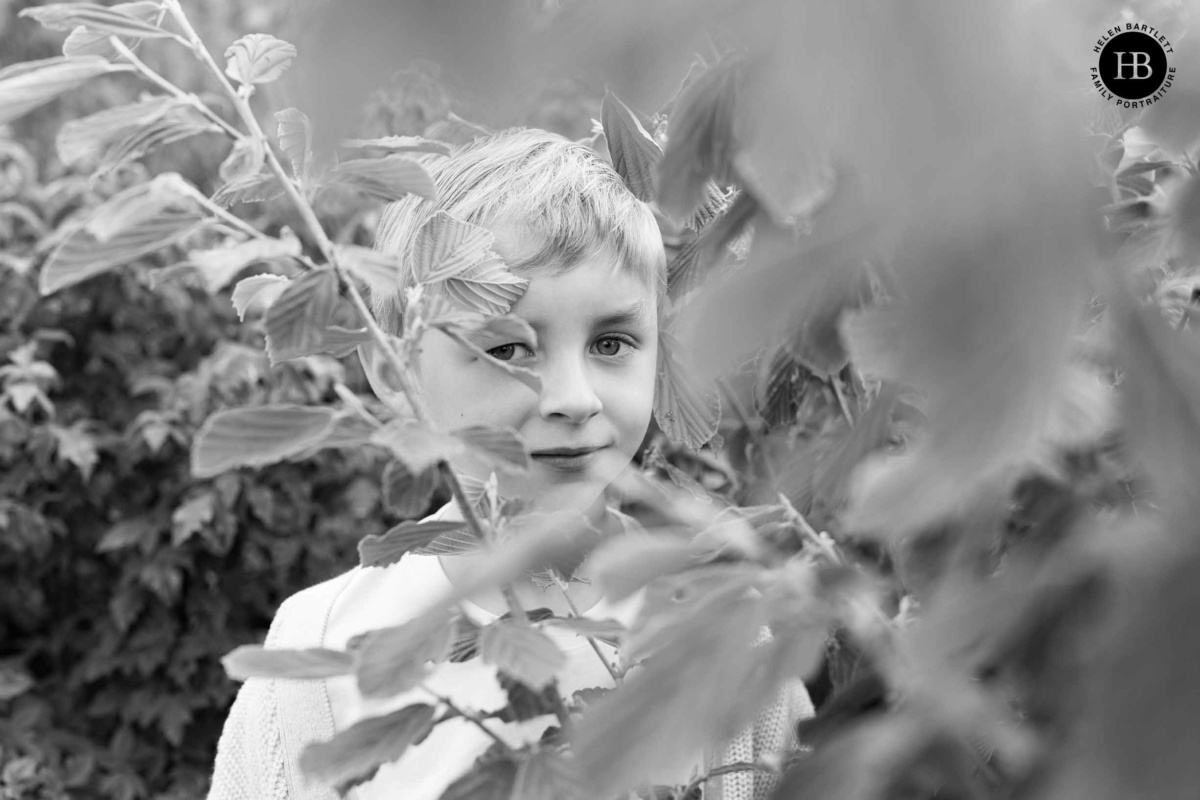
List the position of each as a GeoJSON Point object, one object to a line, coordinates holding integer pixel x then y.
{"type": "Point", "coordinates": [738, 766]}
{"type": "Point", "coordinates": [471, 717]}
{"type": "Point", "coordinates": [562, 587]}
{"type": "Point", "coordinates": [841, 398]}
{"type": "Point", "coordinates": [808, 532]}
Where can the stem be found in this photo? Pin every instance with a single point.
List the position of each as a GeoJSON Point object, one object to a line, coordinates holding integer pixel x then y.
{"type": "Point", "coordinates": [471, 717]}
{"type": "Point", "coordinates": [562, 587]}
{"type": "Point", "coordinates": [738, 766]}
{"type": "Point", "coordinates": [808, 532]}
{"type": "Point", "coordinates": [164, 84]}
{"type": "Point", "coordinates": [841, 398]}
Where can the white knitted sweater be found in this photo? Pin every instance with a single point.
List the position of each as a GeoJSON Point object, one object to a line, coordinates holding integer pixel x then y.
{"type": "Point", "coordinates": [272, 720]}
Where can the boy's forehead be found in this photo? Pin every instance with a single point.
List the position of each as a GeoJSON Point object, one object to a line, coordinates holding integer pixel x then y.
{"type": "Point", "coordinates": [598, 288]}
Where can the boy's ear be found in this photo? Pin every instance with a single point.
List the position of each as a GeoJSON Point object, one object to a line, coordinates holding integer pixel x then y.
{"type": "Point", "coordinates": [381, 376]}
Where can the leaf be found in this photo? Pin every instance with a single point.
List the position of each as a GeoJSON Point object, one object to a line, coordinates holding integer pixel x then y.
{"type": "Point", "coordinates": [253, 437]}
{"type": "Point", "coordinates": [251, 189]}
{"type": "Point", "coordinates": [461, 335]}
{"type": "Point", "coordinates": [709, 250]}
{"type": "Point", "coordinates": [493, 780]}
{"type": "Point", "coordinates": [258, 58]}
{"type": "Point", "coordinates": [446, 247]}
{"type": "Point", "coordinates": [127, 209]}
{"type": "Point", "coordinates": [686, 414]}
{"type": "Point", "coordinates": [388, 549]}
{"type": "Point", "coordinates": [388, 178]}
{"type": "Point", "coordinates": [522, 651]}
{"type": "Point", "coordinates": [625, 564]}
{"type": "Point", "coordinates": [416, 446]}
{"type": "Point", "coordinates": [812, 336]}
{"type": "Point", "coordinates": [295, 139]}
{"type": "Point", "coordinates": [451, 543]}
{"type": "Point", "coordinates": [257, 290]}
{"type": "Point", "coordinates": [296, 321]}
{"type": "Point", "coordinates": [406, 494]}
{"type": "Point", "coordinates": [221, 265]}
{"type": "Point", "coordinates": [106, 20]}
{"type": "Point", "coordinates": [546, 775]}
{"type": "Point", "coordinates": [634, 152]}
{"type": "Point", "coordinates": [29, 84]}
{"type": "Point", "coordinates": [503, 447]}
{"type": "Point", "coordinates": [84, 41]}
{"type": "Point", "coordinates": [487, 288]}
{"type": "Point", "coordinates": [177, 124]}
{"type": "Point", "coordinates": [380, 271]}
{"type": "Point", "coordinates": [85, 139]}
{"type": "Point", "coordinates": [190, 518]}
{"type": "Point", "coordinates": [245, 160]}
{"type": "Point", "coordinates": [354, 755]}
{"type": "Point", "coordinates": [81, 256]}
{"type": "Point", "coordinates": [127, 533]}
{"type": "Point", "coordinates": [393, 660]}
{"type": "Point", "coordinates": [399, 144]}
{"type": "Point", "coordinates": [254, 661]}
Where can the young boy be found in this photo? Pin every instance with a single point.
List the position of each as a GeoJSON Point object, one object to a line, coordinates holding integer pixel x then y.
{"type": "Point", "coordinates": [563, 219]}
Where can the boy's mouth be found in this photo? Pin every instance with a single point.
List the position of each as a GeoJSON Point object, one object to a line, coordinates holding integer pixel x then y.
{"type": "Point", "coordinates": [565, 451]}
{"type": "Point", "coordinates": [567, 459]}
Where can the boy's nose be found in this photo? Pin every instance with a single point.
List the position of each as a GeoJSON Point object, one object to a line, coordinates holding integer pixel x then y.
{"type": "Point", "coordinates": [567, 392]}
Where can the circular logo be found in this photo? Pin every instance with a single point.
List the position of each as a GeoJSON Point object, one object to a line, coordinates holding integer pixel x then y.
{"type": "Point", "coordinates": [1133, 65]}
{"type": "Point", "coordinates": [1133, 70]}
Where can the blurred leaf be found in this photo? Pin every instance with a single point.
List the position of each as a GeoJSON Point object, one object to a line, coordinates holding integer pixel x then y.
{"type": "Point", "coordinates": [405, 493]}
{"type": "Point", "coordinates": [257, 290]}
{"type": "Point", "coordinates": [502, 447]}
{"type": "Point", "coordinates": [446, 247]}
{"type": "Point", "coordinates": [522, 651]}
{"type": "Point", "coordinates": [393, 660]}
{"type": "Point", "coordinates": [127, 533]}
{"type": "Point", "coordinates": [249, 437]}
{"type": "Point", "coordinates": [634, 152]}
{"type": "Point", "coordinates": [380, 271]}
{"type": "Point", "coordinates": [84, 41]}
{"type": "Point", "coordinates": [191, 517]}
{"type": "Point", "coordinates": [388, 549]}
{"type": "Point", "coordinates": [1187, 218]}
{"type": "Point", "coordinates": [296, 321]}
{"type": "Point", "coordinates": [250, 189]}
{"type": "Point", "coordinates": [86, 138]}
{"type": "Point", "coordinates": [416, 446]}
{"type": "Point", "coordinates": [493, 780]}
{"type": "Point", "coordinates": [812, 336]}
{"type": "Point", "coordinates": [625, 564]}
{"type": "Point", "coordinates": [295, 139]}
{"type": "Point", "coordinates": [219, 266]}
{"type": "Point", "coordinates": [111, 21]}
{"type": "Point", "coordinates": [258, 58]}
{"type": "Point", "coordinates": [451, 543]}
{"type": "Point", "coordinates": [29, 84]}
{"type": "Point", "coordinates": [708, 250]}
{"type": "Point", "coordinates": [686, 413]}
{"type": "Point", "coordinates": [244, 161]}
{"type": "Point", "coordinates": [462, 334]}
{"type": "Point", "coordinates": [76, 445]}
{"type": "Point", "coordinates": [609, 630]}
{"type": "Point", "coordinates": [546, 775]}
{"type": "Point", "coordinates": [399, 144]}
{"type": "Point", "coordinates": [143, 201]}
{"type": "Point", "coordinates": [388, 178]}
{"type": "Point", "coordinates": [254, 661]}
{"type": "Point", "coordinates": [82, 256]}
{"type": "Point", "coordinates": [355, 754]}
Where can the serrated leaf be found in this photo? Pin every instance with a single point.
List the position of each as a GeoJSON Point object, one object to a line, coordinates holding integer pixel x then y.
{"type": "Point", "coordinates": [503, 447]}
{"type": "Point", "coordinates": [219, 266]}
{"type": "Point", "coordinates": [488, 288]}
{"type": "Point", "coordinates": [461, 334]}
{"type": "Point", "coordinates": [84, 41]}
{"type": "Point", "coordinates": [257, 290]}
{"type": "Point", "coordinates": [406, 494]}
{"type": "Point", "coordinates": [29, 84]}
{"type": "Point", "coordinates": [393, 660]}
{"type": "Point", "coordinates": [354, 755]}
{"type": "Point", "coordinates": [625, 564]}
{"type": "Point", "coordinates": [388, 178]}
{"type": "Point", "coordinates": [407, 537]}
{"type": "Point", "coordinates": [296, 321]}
{"type": "Point", "coordinates": [634, 152]}
{"type": "Point", "coordinates": [687, 414]}
{"type": "Point", "coordinates": [546, 775]}
{"type": "Point", "coordinates": [255, 661]}
{"type": "Point", "coordinates": [447, 247]}
{"type": "Point", "coordinates": [485, 781]}
{"type": "Point", "coordinates": [380, 271]}
{"type": "Point", "coordinates": [81, 256]}
{"type": "Point", "coordinates": [177, 124]}
{"type": "Point", "coordinates": [416, 446]}
{"type": "Point", "coordinates": [252, 189]}
{"type": "Point", "coordinates": [245, 160]}
{"type": "Point", "coordinates": [258, 58]}
{"type": "Point", "coordinates": [522, 651]}
{"type": "Point", "coordinates": [252, 437]}
{"type": "Point", "coordinates": [399, 144]}
{"type": "Point", "coordinates": [295, 139]}
{"type": "Point", "coordinates": [708, 250]}
{"type": "Point", "coordinates": [110, 21]}
{"type": "Point", "coordinates": [84, 139]}
{"type": "Point", "coordinates": [451, 543]}
{"type": "Point", "coordinates": [129, 208]}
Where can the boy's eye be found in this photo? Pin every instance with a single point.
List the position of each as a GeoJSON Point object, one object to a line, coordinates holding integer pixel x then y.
{"type": "Point", "coordinates": [609, 346]}
{"type": "Point", "coordinates": [504, 352]}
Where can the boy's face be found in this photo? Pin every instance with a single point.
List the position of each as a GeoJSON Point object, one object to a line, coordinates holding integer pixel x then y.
{"type": "Point", "coordinates": [596, 355]}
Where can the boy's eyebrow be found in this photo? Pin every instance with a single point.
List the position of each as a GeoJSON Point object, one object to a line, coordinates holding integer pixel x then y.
{"type": "Point", "coordinates": [635, 314]}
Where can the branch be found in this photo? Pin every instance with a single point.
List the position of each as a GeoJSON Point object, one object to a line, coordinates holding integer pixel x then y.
{"type": "Point", "coordinates": [562, 587]}
{"type": "Point", "coordinates": [738, 766]}
{"type": "Point", "coordinates": [473, 718]}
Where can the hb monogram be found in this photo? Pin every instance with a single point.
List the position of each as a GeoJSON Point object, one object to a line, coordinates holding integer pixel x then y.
{"type": "Point", "coordinates": [1137, 62]}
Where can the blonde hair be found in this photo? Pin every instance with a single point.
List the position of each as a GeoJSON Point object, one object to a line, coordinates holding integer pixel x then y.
{"type": "Point", "coordinates": [564, 201]}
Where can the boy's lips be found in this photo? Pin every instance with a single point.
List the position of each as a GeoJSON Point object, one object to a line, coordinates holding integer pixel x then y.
{"type": "Point", "coordinates": [567, 459]}
{"type": "Point", "coordinates": [566, 451]}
